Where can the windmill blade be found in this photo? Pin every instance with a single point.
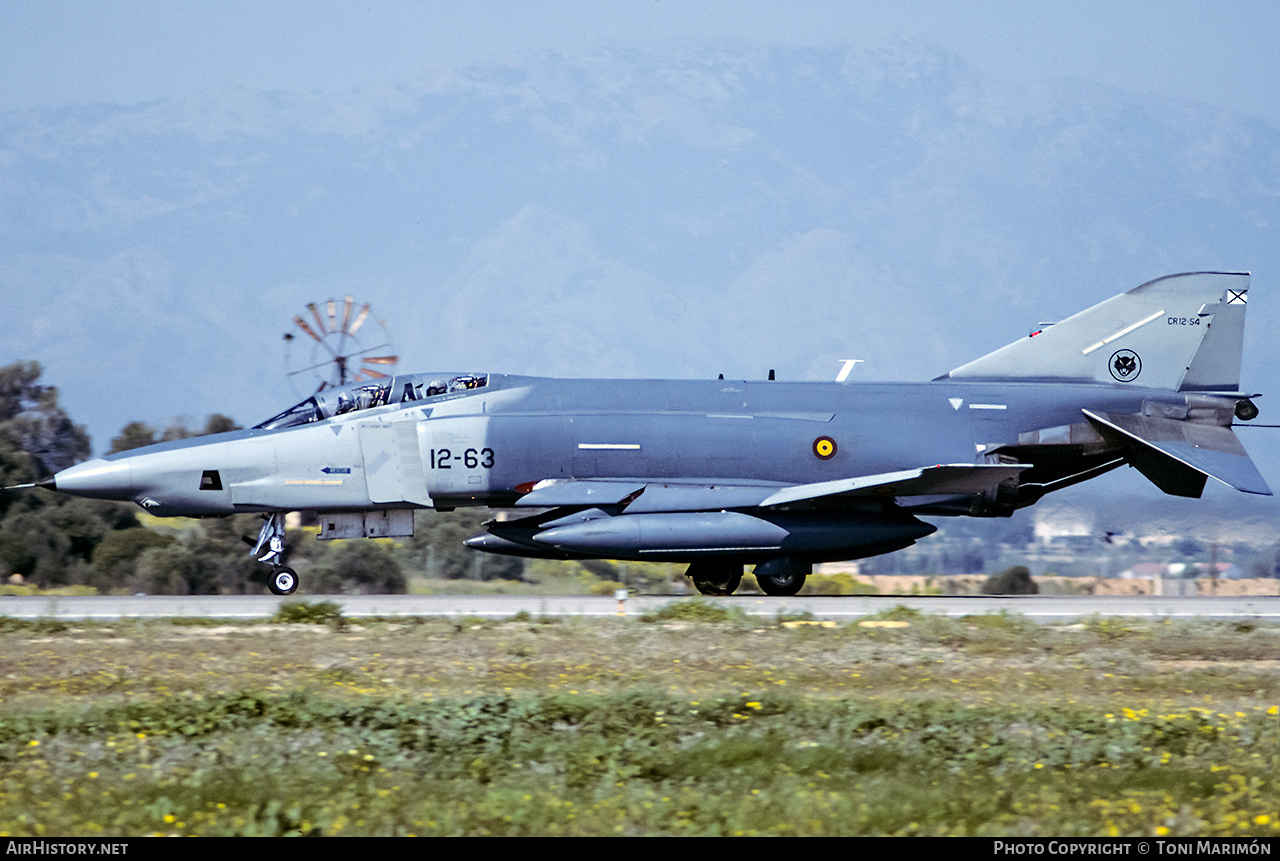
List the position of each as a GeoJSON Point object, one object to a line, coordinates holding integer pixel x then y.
{"type": "Point", "coordinates": [333, 316]}
{"type": "Point", "coordinates": [364, 313]}
{"type": "Point", "coordinates": [381, 360]}
{"type": "Point", "coordinates": [346, 315]}
{"type": "Point", "coordinates": [315, 312]}
{"type": "Point", "coordinates": [302, 324]}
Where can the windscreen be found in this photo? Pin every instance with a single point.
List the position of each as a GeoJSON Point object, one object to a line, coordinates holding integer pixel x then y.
{"type": "Point", "coordinates": [363, 396]}
{"type": "Point", "coordinates": [299, 414]}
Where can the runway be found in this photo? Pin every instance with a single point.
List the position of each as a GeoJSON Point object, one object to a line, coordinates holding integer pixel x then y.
{"type": "Point", "coordinates": [1039, 608]}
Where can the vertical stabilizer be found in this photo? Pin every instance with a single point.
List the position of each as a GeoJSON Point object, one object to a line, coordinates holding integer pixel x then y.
{"type": "Point", "coordinates": [1180, 332]}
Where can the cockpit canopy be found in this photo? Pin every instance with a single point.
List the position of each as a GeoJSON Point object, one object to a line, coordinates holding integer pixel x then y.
{"type": "Point", "coordinates": [400, 389]}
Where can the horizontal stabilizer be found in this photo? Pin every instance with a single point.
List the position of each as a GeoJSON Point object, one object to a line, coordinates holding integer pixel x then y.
{"type": "Point", "coordinates": [941, 480]}
{"type": "Point", "coordinates": [1177, 456]}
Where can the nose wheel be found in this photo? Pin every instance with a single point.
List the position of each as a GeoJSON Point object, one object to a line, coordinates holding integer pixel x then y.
{"type": "Point", "coordinates": [284, 581]}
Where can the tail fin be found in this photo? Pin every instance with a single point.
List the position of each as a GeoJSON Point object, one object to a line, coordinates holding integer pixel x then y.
{"type": "Point", "coordinates": [1180, 332]}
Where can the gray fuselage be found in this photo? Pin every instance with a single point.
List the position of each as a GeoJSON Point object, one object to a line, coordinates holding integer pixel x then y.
{"type": "Point", "coordinates": [490, 445]}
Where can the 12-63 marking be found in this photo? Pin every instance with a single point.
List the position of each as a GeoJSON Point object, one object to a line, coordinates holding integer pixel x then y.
{"type": "Point", "coordinates": [444, 458]}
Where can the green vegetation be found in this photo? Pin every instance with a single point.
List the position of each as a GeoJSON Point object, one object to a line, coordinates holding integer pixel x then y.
{"type": "Point", "coordinates": [357, 568]}
{"type": "Point", "coordinates": [138, 434]}
{"type": "Point", "coordinates": [694, 610]}
{"type": "Point", "coordinates": [302, 612]}
{"type": "Point", "coordinates": [700, 724]}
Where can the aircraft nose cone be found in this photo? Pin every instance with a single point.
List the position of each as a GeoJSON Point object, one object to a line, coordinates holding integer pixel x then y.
{"type": "Point", "coordinates": [97, 478]}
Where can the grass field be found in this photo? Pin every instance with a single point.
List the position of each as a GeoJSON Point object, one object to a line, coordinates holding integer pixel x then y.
{"type": "Point", "coordinates": [694, 720]}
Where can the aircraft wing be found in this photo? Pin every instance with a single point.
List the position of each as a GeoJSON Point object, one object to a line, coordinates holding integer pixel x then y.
{"type": "Point", "coordinates": [1178, 456]}
{"type": "Point", "coordinates": [641, 496]}
{"type": "Point", "coordinates": [556, 493]}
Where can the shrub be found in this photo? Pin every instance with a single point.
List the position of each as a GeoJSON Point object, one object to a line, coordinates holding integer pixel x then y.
{"type": "Point", "coordinates": [1011, 581]}
{"type": "Point", "coordinates": [301, 612]}
{"type": "Point", "coordinates": [695, 610]}
{"type": "Point", "coordinates": [359, 567]}
{"type": "Point", "coordinates": [126, 545]}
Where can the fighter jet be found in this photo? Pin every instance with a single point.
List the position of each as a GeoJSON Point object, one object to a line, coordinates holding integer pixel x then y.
{"type": "Point", "coordinates": [720, 474]}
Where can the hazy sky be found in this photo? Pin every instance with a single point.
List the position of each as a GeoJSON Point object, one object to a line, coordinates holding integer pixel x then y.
{"type": "Point", "coordinates": [61, 52]}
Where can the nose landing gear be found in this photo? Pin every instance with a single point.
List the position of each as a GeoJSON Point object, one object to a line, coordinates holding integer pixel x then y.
{"type": "Point", "coordinates": [283, 580]}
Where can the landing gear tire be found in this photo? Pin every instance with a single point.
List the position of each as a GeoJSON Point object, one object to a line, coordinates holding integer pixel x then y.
{"type": "Point", "coordinates": [283, 581]}
{"type": "Point", "coordinates": [707, 587]}
{"type": "Point", "coordinates": [715, 578]}
{"type": "Point", "coordinates": [782, 577]}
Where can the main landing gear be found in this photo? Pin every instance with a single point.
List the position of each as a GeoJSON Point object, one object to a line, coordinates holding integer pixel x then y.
{"type": "Point", "coordinates": [713, 577]}
{"type": "Point", "coordinates": [781, 576]}
{"type": "Point", "coordinates": [283, 580]}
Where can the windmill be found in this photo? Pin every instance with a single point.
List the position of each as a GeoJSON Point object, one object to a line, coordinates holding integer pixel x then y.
{"type": "Point", "coordinates": [341, 349]}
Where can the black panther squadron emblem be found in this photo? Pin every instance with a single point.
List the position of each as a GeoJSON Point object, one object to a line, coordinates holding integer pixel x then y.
{"type": "Point", "coordinates": [1125, 365]}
